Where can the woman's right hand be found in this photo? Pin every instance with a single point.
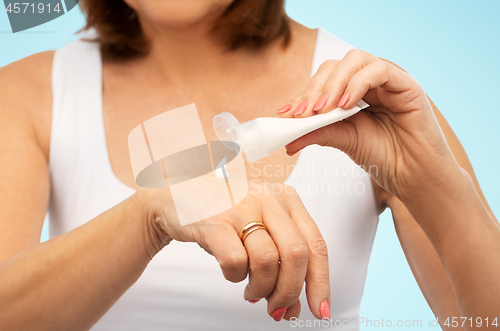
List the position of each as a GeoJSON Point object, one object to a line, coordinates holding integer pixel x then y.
{"type": "Point", "coordinates": [278, 261]}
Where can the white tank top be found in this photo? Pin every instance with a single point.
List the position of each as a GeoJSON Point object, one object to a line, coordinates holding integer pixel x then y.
{"type": "Point", "coordinates": [183, 287]}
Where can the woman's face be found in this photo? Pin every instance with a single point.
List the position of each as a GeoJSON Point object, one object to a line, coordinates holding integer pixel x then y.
{"type": "Point", "coordinates": [177, 13]}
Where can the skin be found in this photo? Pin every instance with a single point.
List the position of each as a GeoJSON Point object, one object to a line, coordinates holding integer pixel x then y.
{"type": "Point", "coordinates": [186, 62]}
{"type": "Point", "coordinates": [25, 133]}
{"type": "Point", "coordinates": [421, 255]}
{"type": "Point", "coordinates": [401, 135]}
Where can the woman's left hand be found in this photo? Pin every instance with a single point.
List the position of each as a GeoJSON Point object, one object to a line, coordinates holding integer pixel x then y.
{"type": "Point", "coordinates": [398, 135]}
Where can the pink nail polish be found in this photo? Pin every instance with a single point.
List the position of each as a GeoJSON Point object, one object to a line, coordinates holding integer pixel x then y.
{"type": "Point", "coordinates": [301, 108]}
{"type": "Point", "coordinates": [279, 313]}
{"type": "Point", "coordinates": [321, 102]}
{"type": "Point", "coordinates": [284, 109]}
{"type": "Point", "coordinates": [253, 301]}
{"type": "Point", "coordinates": [344, 100]}
{"type": "Point", "coordinates": [324, 310]}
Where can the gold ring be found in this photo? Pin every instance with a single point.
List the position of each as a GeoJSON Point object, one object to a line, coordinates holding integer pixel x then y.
{"type": "Point", "coordinates": [249, 228]}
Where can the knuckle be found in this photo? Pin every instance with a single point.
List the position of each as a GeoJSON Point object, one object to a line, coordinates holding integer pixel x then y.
{"type": "Point", "coordinates": [335, 82]}
{"type": "Point", "coordinates": [381, 66]}
{"type": "Point", "coordinates": [267, 262]}
{"type": "Point", "coordinates": [318, 247]}
{"type": "Point", "coordinates": [296, 100]}
{"type": "Point", "coordinates": [235, 278]}
{"type": "Point", "coordinates": [356, 53]}
{"type": "Point", "coordinates": [254, 189]}
{"type": "Point", "coordinates": [298, 251]}
{"type": "Point", "coordinates": [234, 261]}
{"type": "Point", "coordinates": [288, 189]}
{"type": "Point", "coordinates": [290, 295]}
{"type": "Point", "coordinates": [359, 82]}
{"type": "Point", "coordinates": [270, 190]}
{"type": "Point", "coordinates": [312, 88]}
{"type": "Point", "coordinates": [327, 64]}
{"type": "Point", "coordinates": [322, 281]}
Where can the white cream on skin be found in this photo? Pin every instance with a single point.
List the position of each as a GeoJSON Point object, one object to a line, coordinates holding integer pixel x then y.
{"type": "Point", "coordinates": [264, 136]}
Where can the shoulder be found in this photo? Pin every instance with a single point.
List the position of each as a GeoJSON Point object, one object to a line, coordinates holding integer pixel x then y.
{"type": "Point", "coordinates": [32, 72]}
{"type": "Point", "coordinates": [330, 39]}
{"type": "Point", "coordinates": [26, 95]}
{"type": "Point", "coordinates": [329, 47]}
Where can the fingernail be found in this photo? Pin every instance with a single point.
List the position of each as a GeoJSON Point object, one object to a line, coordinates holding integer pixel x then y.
{"type": "Point", "coordinates": [253, 301]}
{"type": "Point", "coordinates": [301, 108]}
{"type": "Point", "coordinates": [321, 102]}
{"type": "Point", "coordinates": [345, 98]}
{"type": "Point", "coordinates": [284, 109]}
{"type": "Point", "coordinates": [279, 313]}
{"type": "Point", "coordinates": [324, 309]}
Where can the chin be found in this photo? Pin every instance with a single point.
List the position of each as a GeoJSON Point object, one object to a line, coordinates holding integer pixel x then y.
{"type": "Point", "coordinates": [178, 14]}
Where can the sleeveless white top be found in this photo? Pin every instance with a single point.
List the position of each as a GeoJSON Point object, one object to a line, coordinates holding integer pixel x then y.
{"type": "Point", "coordinates": [183, 287]}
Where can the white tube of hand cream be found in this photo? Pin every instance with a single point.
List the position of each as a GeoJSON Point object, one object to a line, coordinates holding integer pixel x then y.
{"type": "Point", "coordinates": [264, 136]}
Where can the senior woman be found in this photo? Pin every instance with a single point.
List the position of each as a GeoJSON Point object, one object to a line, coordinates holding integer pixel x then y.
{"type": "Point", "coordinates": [65, 148]}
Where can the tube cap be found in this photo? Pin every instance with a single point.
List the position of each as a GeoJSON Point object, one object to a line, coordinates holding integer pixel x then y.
{"type": "Point", "coordinates": [246, 136]}
{"type": "Point", "coordinates": [224, 124]}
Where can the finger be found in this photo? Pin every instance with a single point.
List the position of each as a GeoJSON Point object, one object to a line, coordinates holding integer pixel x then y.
{"type": "Point", "coordinates": [341, 135]}
{"type": "Point", "coordinates": [304, 103]}
{"type": "Point", "coordinates": [263, 265]}
{"type": "Point", "coordinates": [314, 96]}
{"type": "Point", "coordinates": [381, 74]}
{"type": "Point", "coordinates": [288, 110]}
{"type": "Point", "coordinates": [293, 311]}
{"type": "Point", "coordinates": [317, 277]}
{"type": "Point", "coordinates": [340, 76]}
{"type": "Point", "coordinates": [293, 255]}
{"type": "Point", "coordinates": [222, 241]}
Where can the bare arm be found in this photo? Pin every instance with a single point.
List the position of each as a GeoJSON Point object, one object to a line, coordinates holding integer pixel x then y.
{"type": "Point", "coordinates": [441, 277]}
{"type": "Point", "coordinates": [24, 178]}
{"type": "Point", "coordinates": [68, 282]}
{"type": "Point", "coordinates": [425, 264]}
{"type": "Point", "coordinates": [400, 134]}
{"type": "Point", "coordinates": [422, 258]}
{"type": "Point", "coordinates": [420, 254]}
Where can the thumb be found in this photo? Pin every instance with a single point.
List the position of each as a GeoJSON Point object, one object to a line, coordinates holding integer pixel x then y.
{"type": "Point", "coordinates": [221, 240]}
{"type": "Point", "coordinates": [341, 135]}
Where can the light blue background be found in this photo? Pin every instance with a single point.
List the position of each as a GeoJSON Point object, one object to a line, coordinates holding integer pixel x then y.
{"type": "Point", "coordinates": [451, 47]}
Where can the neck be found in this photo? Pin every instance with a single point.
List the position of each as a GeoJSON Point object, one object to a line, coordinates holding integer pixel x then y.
{"type": "Point", "coordinates": [193, 54]}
